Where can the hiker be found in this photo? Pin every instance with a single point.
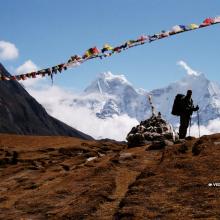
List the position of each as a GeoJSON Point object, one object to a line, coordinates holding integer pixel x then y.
{"type": "Point", "coordinates": [187, 109]}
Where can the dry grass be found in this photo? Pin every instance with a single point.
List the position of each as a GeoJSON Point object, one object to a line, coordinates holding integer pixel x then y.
{"type": "Point", "coordinates": [51, 178]}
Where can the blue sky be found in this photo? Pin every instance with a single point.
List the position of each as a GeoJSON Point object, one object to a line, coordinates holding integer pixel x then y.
{"type": "Point", "coordinates": [48, 32]}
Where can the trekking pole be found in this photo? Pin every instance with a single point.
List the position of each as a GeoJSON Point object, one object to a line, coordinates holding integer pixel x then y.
{"type": "Point", "coordinates": [189, 125]}
{"type": "Point", "coordinates": [198, 122]}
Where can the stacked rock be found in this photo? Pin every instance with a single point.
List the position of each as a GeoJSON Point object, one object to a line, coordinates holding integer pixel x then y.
{"type": "Point", "coordinates": [153, 129]}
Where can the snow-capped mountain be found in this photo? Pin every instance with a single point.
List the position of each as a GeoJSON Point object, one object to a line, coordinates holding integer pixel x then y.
{"type": "Point", "coordinates": [205, 93]}
{"type": "Point", "coordinates": [110, 95]}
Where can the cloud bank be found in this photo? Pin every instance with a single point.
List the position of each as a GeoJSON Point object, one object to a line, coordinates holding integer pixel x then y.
{"type": "Point", "coordinates": [59, 103]}
{"type": "Point", "coordinates": [8, 51]}
{"type": "Point", "coordinates": [212, 127]}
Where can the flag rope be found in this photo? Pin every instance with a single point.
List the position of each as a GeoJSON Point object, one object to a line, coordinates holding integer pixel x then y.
{"type": "Point", "coordinates": [108, 50]}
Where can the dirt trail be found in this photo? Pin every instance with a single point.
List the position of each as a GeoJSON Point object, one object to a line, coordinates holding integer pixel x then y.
{"type": "Point", "coordinates": [124, 178]}
{"type": "Point", "coordinates": [126, 175]}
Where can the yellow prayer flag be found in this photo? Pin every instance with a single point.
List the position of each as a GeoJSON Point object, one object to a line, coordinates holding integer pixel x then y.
{"type": "Point", "coordinates": [107, 47]}
{"type": "Point", "coordinates": [193, 26]}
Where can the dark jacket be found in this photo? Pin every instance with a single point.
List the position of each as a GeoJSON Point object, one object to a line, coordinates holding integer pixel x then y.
{"type": "Point", "coordinates": [187, 106]}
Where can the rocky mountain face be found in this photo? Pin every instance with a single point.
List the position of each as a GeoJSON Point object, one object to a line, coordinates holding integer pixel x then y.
{"type": "Point", "coordinates": [20, 113]}
{"type": "Point", "coordinates": [112, 94]}
{"type": "Point", "coordinates": [69, 178]}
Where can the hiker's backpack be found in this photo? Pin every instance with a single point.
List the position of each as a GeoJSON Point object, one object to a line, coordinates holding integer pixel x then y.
{"type": "Point", "coordinates": [177, 107]}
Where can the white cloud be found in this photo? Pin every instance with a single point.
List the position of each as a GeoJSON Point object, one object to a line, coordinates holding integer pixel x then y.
{"type": "Point", "coordinates": [187, 68]}
{"type": "Point", "coordinates": [27, 67]}
{"type": "Point", "coordinates": [212, 128]}
{"type": "Point", "coordinates": [8, 51]}
{"type": "Point", "coordinates": [30, 82]}
{"type": "Point", "coordinates": [58, 102]}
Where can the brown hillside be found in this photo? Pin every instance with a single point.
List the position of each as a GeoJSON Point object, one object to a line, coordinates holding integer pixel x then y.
{"type": "Point", "coordinates": [52, 178]}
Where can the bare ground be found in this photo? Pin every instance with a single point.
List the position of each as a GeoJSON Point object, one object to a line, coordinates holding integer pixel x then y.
{"type": "Point", "coordinates": [68, 178]}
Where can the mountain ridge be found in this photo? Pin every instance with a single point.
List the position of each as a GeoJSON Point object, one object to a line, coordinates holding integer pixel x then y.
{"type": "Point", "coordinates": [20, 113]}
{"type": "Point", "coordinates": [120, 97]}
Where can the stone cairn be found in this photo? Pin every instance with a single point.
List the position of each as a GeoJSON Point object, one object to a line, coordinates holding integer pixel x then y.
{"type": "Point", "coordinates": [154, 131]}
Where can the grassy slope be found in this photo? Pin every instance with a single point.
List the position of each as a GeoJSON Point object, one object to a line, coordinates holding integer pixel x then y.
{"type": "Point", "coordinates": [50, 178]}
